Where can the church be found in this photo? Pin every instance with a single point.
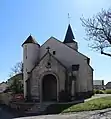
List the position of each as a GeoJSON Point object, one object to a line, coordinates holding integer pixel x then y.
{"type": "Point", "coordinates": [56, 71]}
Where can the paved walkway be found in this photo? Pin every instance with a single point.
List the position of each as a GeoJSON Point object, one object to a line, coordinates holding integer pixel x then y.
{"type": "Point", "coordinates": [7, 113]}
{"type": "Point", "coordinates": [98, 114]}
{"type": "Point", "coordinates": [98, 96]}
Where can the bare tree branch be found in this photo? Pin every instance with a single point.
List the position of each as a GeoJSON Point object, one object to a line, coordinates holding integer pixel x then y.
{"type": "Point", "coordinates": [98, 30]}
{"type": "Point", "coordinates": [18, 68]}
{"type": "Point", "coordinates": [105, 53]}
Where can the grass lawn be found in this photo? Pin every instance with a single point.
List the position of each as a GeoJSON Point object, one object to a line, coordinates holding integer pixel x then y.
{"type": "Point", "coordinates": [94, 104]}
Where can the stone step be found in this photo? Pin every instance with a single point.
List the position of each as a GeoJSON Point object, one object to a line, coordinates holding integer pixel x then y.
{"type": "Point", "coordinates": [38, 108]}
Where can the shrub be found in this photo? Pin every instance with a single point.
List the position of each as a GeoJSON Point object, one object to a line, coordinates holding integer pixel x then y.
{"type": "Point", "coordinates": [108, 91]}
{"type": "Point", "coordinates": [98, 91]}
{"type": "Point", "coordinates": [101, 92]}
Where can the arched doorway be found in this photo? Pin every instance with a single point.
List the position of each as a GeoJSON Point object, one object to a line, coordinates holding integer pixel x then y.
{"type": "Point", "coordinates": [49, 88]}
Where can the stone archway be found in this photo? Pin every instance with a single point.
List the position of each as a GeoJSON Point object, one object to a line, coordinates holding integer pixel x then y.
{"type": "Point", "coordinates": [49, 88]}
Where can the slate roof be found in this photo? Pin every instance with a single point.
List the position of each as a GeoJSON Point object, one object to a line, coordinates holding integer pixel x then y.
{"type": "Point", "coordinates": [30, 39]}
{"type": "Point", "coordinates": [69, 38]}
{"type": "Point", "coordinates": [109, 83]}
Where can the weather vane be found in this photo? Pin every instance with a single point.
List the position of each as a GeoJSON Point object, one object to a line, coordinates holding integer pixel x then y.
{"type": "Point", "coordinates": [69, 18]}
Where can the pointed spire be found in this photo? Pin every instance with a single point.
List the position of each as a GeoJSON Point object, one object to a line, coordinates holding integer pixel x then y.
{"type": "Point", "coordinates": [30, 39]}
{"type": "Point", "coordinates": [69, 38]}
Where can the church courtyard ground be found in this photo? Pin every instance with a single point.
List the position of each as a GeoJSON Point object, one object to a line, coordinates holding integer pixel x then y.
{"type": "Point", "coordinates": [99, 101]}
{"type": "Point", "coordinates": [98, 114]}
{"type": "Point", "coordinates": [96, 102]}
{"type": "Point", "coordinates": [97, 107]}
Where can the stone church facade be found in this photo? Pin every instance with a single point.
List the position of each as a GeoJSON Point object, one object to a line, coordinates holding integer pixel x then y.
{"type": "Point", "coordinates": [56, 70]}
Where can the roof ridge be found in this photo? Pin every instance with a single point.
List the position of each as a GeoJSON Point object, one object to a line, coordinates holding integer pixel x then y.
{"type": "Point", "coordinates": [63, 44]}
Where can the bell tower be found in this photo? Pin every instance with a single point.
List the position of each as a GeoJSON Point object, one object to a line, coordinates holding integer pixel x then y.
{"type": "Point", "coordinates": [69, 39]}
{"type": "Point", "coordinates": [30, 58]}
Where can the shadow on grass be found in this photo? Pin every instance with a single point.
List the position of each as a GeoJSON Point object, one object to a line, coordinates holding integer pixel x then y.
{"type": "Point", "coordinates": [52, 109]}
{"type": "Point", "coordinates": [59, 107]}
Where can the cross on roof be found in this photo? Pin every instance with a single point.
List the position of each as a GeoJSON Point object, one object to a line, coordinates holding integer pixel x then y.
{"type": "Point", "coordinates": [69, 18]}
{"type": "Point", "coordinates": [48, 48]}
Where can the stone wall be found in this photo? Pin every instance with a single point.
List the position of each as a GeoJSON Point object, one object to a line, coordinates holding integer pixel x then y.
{"type": "Point", "coordinates": [41, 70]}
{"type": "Point", "coordinates": [69, 57]}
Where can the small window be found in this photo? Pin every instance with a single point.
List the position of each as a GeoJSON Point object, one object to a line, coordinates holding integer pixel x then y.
{"type": "Point", "coordinates": [54, 52]}
{"type": "Point", "coordinates": [75, 67]}
{"type": "Point", "coordinates": [25, 52]}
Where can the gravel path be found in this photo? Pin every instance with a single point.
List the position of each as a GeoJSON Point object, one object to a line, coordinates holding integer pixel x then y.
{"type": "Point", "coordinates": [98, 96]}
{"type": "Point", "coordinates": [98, 114]}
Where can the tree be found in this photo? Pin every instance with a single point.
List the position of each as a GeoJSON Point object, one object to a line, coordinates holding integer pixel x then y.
{"type": "Point", "coordinates": [16, 86]}
{"type": "Point", "coordinates": [98, 31]}
{"type": "Point", "coordinates": [17, 69]}
{"type": "Point", "coordinates": [16, 78]}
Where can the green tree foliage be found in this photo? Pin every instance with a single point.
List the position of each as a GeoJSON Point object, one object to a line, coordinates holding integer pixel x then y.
{"type": "Point", "coordinates": [16, 86]}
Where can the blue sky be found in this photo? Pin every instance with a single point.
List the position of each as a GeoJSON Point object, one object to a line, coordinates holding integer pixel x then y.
{"type": "Point", "coordinates": [45, 18]}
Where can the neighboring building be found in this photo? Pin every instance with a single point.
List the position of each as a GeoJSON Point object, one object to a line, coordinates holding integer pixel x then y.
{"type": "Point", "coordinates": [108, 85]}
{"type": "Point", "coordinates": [55, 67]}
{"type": "Point", "coordinates": [98, 84]}
{"type": "Point", "coordinates": [3, 87]}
